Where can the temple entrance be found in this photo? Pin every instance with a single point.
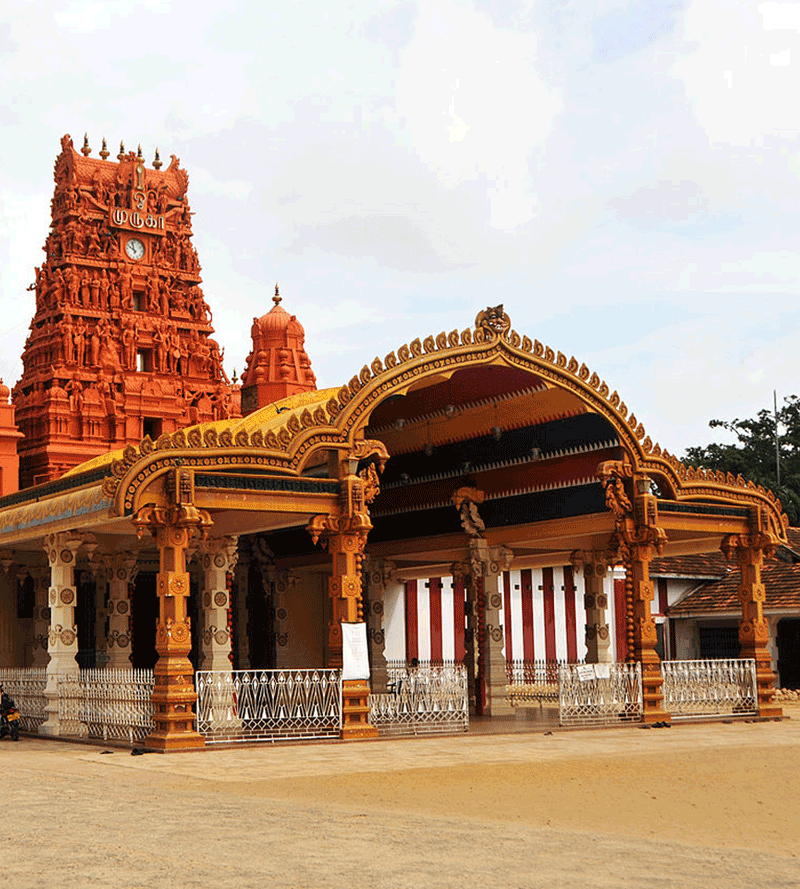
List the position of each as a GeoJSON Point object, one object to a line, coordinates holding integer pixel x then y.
{"type": "Point", "coordinates": [261, 621]}
{"type": "Point", "coordinates": [85, 618]}
{"type": "Point", "coordinates": [144, 616]}
{"type": "Point", "coordinates": [789, 652]}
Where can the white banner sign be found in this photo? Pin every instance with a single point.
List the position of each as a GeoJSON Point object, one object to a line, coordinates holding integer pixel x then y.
{"type": "Point", "coordinates": [355, 659]}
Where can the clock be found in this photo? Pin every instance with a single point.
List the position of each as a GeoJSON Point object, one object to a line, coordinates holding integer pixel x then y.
{"type": "Point", "coordinates": [134, 248]}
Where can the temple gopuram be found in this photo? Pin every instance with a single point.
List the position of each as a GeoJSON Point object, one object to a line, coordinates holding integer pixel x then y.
{"type": "Point", "coordinates": [470, 524]}
{"type": "Point", "coordinates": [120, 343]}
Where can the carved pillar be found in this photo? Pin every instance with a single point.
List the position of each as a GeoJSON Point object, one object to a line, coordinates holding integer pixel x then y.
{"type": "Point", "coordinates": [345, 535]}
{"type": "Point", "coordinates": [488, 564]}
{"type": "Point", "coordinates": [62, 643]}
{"type": "Point", "coordinates": [285, 586]}
{"type": "Point", "coordinates": [99, 570]}
{"type": "Point", "coordinates": [379, 575]}
{"type": "Point", "coordinates": [122, 570]}
{"type": "Point", "coordinates": [241, 572]}
{"type": "Point", "coordinates": [637, 540]}
{"type": "Point", "coordinates": [753, 630]}
{"type": "Point", "coordinates": [41, 622]}
{"type": "Point", "coordinates": [595, 601]}
{"type": "Point", "coordinates": [173, 694]}
{"type": "Point", "coordinates": [218, 559]}
{"type": "Point", "coordinates": [462, 571]}
{"type": "Point", "coordinates": [645, 637]}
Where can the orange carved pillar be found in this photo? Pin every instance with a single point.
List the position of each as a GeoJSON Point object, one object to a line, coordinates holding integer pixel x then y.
{"type": "Point", "coordinates": [174, 694]}
{"type": "Point", "coordinates": [753, 631]}
{"type": "Point", "coordinates": [636, 540]}
{"type": "Point", "coordinates": [345, 535]}
{"type": "Point", "coordinates": [645, 637]}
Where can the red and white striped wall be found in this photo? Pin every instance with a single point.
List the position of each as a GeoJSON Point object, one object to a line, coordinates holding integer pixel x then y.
{"type": "Point", "coordinates": [543, 616]}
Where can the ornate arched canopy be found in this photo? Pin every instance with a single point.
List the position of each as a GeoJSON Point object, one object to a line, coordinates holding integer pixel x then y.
{"type": "Point", "coordinates": [290, 442]}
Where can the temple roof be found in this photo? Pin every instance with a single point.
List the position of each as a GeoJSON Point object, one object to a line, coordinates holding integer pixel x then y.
{"type": "Point", "coordinates": [269, 417]}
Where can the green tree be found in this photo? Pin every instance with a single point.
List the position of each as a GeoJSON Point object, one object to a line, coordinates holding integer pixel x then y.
{"type": "Point", "coordinates": [753, 454]}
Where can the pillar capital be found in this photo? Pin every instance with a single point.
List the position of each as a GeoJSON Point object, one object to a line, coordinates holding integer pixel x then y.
{"type": "Point", "coordinates": [592, 562]}
{"type": "Point", "coordinates": [752, 548]}
{"type": "Point", "coordinates": [62, 547]}
{"type": "Point", "coordinates": [486, 560]}
{"type": "Point", "coordinates": [220, 552]}
{"type": "Point", "coordinates": [380, 572]}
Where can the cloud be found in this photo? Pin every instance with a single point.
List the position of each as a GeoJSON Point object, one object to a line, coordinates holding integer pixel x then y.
{"type": "Point", "coordinates": [739, 78]}
{"type": "Point", "coordinates": [476, 106]}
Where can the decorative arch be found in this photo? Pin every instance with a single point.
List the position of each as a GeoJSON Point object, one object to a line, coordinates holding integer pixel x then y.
{"type": "Point", "coordinates": [286, 443]}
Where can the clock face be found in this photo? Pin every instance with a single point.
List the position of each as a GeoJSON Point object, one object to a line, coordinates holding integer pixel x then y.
{"type": "Point", "coordinates": [134, 248]}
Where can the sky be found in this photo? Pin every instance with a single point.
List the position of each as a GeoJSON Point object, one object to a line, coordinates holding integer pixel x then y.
{"type": "Point", "coordinates": [622, 176]}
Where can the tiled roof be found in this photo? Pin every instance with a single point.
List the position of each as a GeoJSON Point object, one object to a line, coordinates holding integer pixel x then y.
{"type": "Point", "coordinates": [781, 584]}
{"type": "Point", "coordinates": [781, 578]}
{"type": "Point", "coordinates": [697, 565]}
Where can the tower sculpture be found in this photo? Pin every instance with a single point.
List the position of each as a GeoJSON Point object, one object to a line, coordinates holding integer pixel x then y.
{"type": "Point", "coordinates": [119, 345]}
{"type": "Point", "coordinates": [278, 365]}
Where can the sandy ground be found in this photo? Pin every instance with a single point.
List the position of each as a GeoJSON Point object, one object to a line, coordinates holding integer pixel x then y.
{"type": "Point", "coordinates": [691, 806]}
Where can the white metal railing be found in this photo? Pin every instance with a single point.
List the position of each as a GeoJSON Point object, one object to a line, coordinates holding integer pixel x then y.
{"type": "Point", "coordinates": [427, 698]}
{"type": "Point", "coordinates": [716, 687]}
{"type": "Point", "coordinates": [108, 704]}
{"type": "Point", "coordinates": [599, 694]}
{"type": "Point", "coordinates": [26, 686]}
{"type": "Point", "coordinates": [532, 682]}
{"type": "Point", "coordinates": [268, 705]}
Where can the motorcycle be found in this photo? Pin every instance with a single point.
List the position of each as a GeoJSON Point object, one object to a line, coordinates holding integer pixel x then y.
{"type": "Point", "coordinates": [9, 718]}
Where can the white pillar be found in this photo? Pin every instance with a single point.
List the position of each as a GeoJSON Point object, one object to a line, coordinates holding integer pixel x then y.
{"type": "Point", "coordinates": [595, 601]}
{"type": "Point", "coordinates": [489, 562]}
{"type": "Point", "coordinates": [219, 556]}
{"type": "Point", "coordinates": [379, 575]}
{"type": "Point", "coordinates": [241, 573]}
{"type": "Point", "coordinates": [63, 635]}
{"type": "Point", "coordinates": [41, 623]}
{"type": "Point", "coordinates": [285, 587]}
{"type": "Point", "coordinates": [122, 570]}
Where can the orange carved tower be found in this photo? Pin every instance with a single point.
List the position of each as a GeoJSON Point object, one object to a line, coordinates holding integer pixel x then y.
{"type": "Point", "coordinates": [278, 365]}
{"type": "Point", "coordinates": [119, 345]}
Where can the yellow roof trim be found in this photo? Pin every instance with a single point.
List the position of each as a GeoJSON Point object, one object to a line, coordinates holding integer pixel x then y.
{"type": "Point", "coordinates": [267, 417]}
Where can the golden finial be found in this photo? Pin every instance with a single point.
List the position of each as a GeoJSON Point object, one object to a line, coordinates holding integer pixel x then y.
{"type": "Point", "coordinates": [86, 151]}
{"type": "Point", "coordinates": [277, 298]}
{"type": "Point", "coordinates": [104, 152]}
{"type": "Point", "coordinates": [121, 155]}
{"type": "Point", "coordinates": [139, 155]}
{"type": "Point", "coordinates": [157, 161]}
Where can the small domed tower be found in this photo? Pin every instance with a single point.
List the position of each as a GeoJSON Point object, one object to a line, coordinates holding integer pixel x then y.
{"type": "Point", "coordinates": [278, 365]}
{"type": "Point", "coordinates": [9, 436]}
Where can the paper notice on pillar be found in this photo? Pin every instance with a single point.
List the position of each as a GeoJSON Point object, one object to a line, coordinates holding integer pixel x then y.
{"type": "Point", "coordinates": [355, 659]}
{"type": "Point", "coordinates": [585, 672]}
{"type": "Point", "coordinates": [602, 671]}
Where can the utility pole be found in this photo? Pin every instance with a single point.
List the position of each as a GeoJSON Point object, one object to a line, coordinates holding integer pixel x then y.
{"type": "Point", "coordinates": [777, 446]}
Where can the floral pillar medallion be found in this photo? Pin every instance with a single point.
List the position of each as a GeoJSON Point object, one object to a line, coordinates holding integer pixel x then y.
{"type": "Point", "coordinates": [595, 601]}
{"type": "Point", "coordinates": [121, 571]}
{"type": "Point", "coordinates": [218, 558]}
{"type": "Point", "coordinates": [173, 694]}
{"type": "Point", "coordinates": [750, 551]}
{"type": "Point", "coordinates": [62, 640]}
